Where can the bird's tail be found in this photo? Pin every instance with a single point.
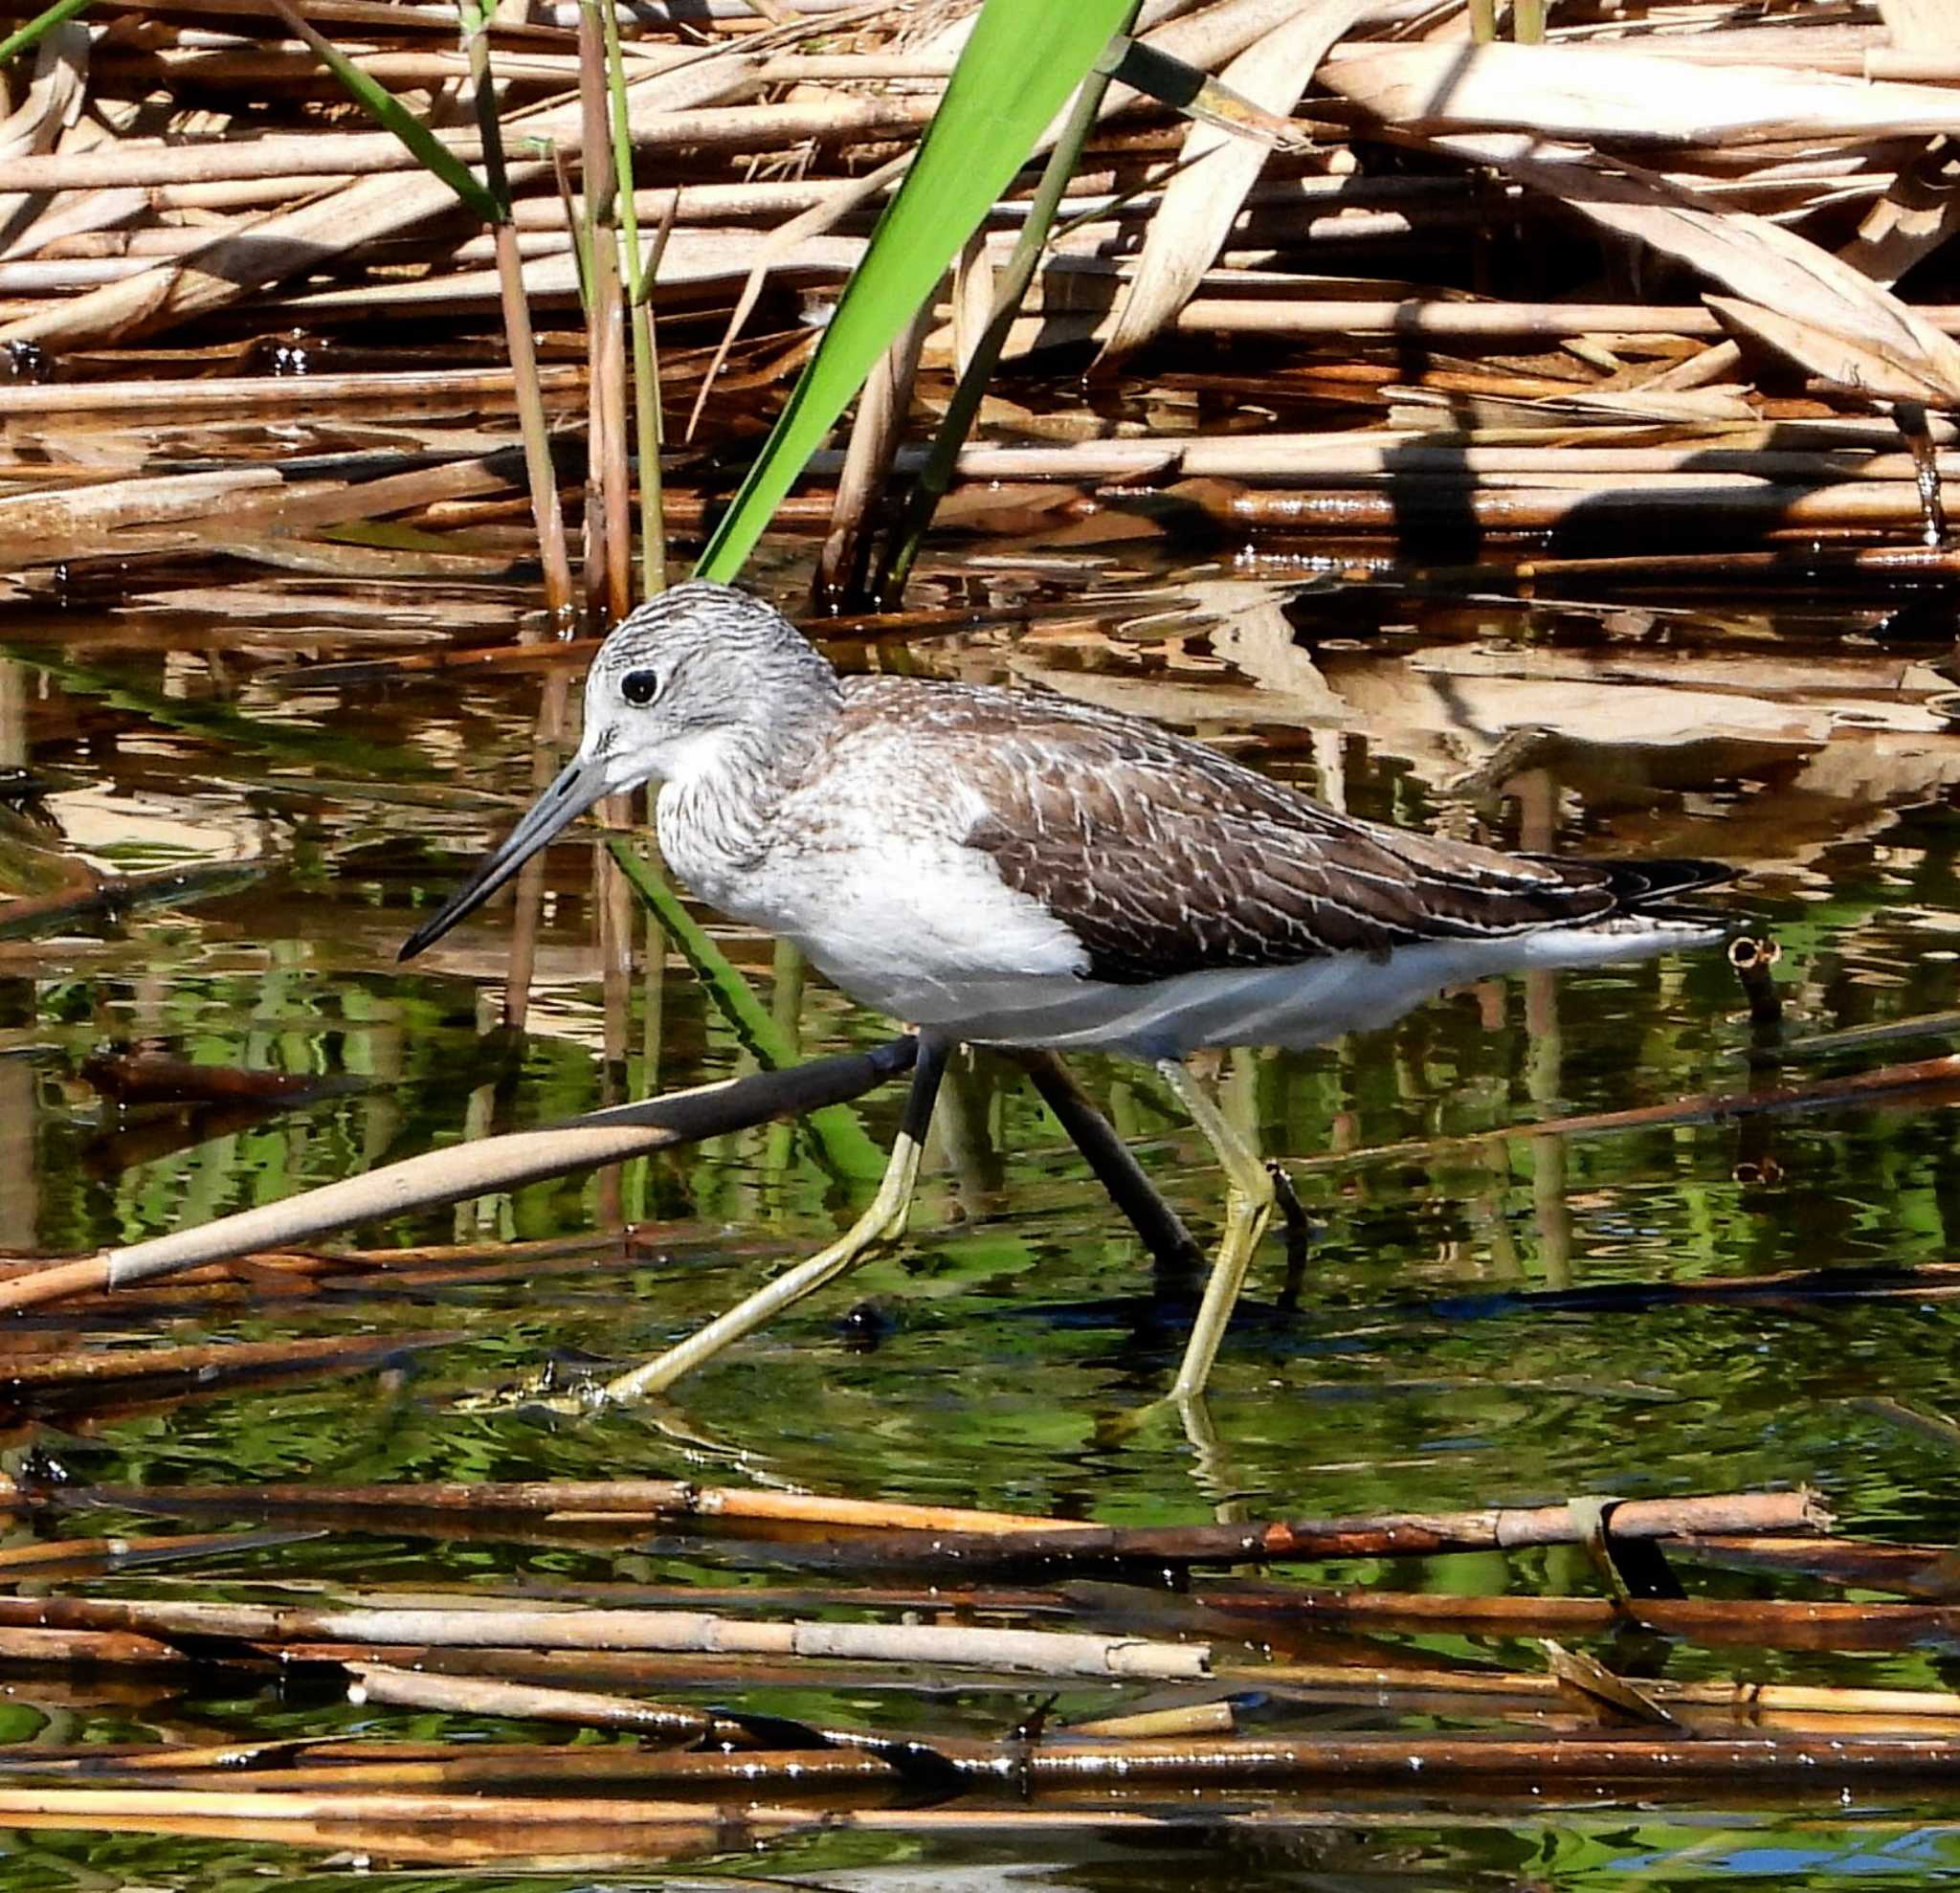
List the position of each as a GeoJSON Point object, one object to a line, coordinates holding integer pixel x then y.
{"type": "Point", "coordinates": [1640, 887]}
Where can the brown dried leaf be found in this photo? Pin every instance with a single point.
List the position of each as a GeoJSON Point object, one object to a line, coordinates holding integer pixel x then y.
{"type": "Point", "coordinates": [1835, 322]}
{"type": "Point", "coordinates": [1606, 92]}
{"type": "Point", "coordinates": [1854, 362]}
{"type": "Point", "coordinates": [54, 95]}
{"type": "Point", "coordinates": [1217, 170]}
{"type": "Point", "coordinates": [1588, 1679]}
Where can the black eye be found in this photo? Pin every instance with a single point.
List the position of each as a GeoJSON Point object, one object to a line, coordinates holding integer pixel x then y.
{"type": "Point", "coordinates": [639, 688]}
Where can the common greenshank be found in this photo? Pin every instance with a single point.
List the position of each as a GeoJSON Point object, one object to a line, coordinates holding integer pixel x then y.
{"type": "Point", "coordinates": [1004, 867]}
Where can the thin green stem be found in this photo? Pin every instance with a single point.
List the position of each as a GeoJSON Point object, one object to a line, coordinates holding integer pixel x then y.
{"type": "Point", "coordinates": [475, 29]}
{"type": "Point", "coordinates": [935, 478]}
{"type": "Point", "coordinates": [575, 223]}
{"type": "Point", "coordinates": [646, 435]}
{"type": "Point", "coordinates": [622, 148]}
{"type": "Point", "coordinates": [640, 270]}
{"type": "Point", "coordinates": [22, 39]}
{"type": "Point", "coordinates": [492, 202]}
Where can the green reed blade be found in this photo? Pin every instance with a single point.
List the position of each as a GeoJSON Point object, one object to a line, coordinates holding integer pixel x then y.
{"type": "Point", "coordinates": [1023, 59]}
{"type": "Point", "coordinates": [1009, 290]}
{"type": "Point", "coordinates": [389, 111]}
{"type": "Point", "coordinates": [22, 39]}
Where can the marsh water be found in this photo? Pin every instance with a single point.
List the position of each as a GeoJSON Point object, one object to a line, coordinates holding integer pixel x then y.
{"type": "Point", "coordinates": [276, 725]}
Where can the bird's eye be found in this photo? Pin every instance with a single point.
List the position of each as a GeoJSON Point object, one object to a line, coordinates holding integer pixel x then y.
{"type": "Point", "coordinates": [639, 688]}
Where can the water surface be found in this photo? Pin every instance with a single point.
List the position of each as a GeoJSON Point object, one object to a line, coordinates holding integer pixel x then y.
{"type": "Point", "coordinates": [1788, 732]}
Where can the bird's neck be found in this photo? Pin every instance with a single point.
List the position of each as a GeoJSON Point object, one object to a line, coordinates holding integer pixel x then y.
{"type": "Point", "coordinates": [718, 808]}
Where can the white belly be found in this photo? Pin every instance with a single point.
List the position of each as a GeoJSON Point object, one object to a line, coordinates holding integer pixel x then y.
{"type": "Point", "coordinates": [915, 940]}
{"type": "Point", "coordinates": [1291, 1006]}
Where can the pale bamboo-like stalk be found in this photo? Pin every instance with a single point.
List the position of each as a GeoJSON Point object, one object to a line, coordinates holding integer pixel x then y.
{"type": "Point", "coordinates": [516, 328]}
{"type": "Point", "coordinates": [876, 431]}
{"type": "Point", "coordinates": [606, 554]}
{"type": "Point", "coordinates": [494, 1163]}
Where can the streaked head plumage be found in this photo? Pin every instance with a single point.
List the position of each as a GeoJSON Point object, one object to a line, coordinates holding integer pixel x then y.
{"type": "Point", "coordinates": [694, 660]}
{"type": "Point", "coordinates": [700, 678]}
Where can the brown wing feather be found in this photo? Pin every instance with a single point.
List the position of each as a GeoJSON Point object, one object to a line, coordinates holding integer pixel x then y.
{"type": "Point", "coordinates": [1164, 856]}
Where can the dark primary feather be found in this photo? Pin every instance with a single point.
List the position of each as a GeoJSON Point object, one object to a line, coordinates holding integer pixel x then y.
{"type": "Point", "coordinates": [1164, 856]}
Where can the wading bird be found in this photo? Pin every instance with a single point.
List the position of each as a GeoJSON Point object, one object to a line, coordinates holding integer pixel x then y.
{"type": "Point", "coordinates": [999, 867]}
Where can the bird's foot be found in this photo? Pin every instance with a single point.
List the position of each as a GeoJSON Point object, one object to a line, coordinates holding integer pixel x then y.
{"type": "Point", "coordinates": [557, 1387]}
{"type": "Point", "coordinates": [1115, 1430]}
{"type": "Point", "coordinates": [1193, 1415]}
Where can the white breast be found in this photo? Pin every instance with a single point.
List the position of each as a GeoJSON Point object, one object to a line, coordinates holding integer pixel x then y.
{"type": "Point", "coordinates": [877, 891]}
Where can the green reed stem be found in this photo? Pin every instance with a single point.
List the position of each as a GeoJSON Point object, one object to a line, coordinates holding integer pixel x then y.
{"type": "Point", "coordinates": [847, 1150]}
{"type": "Point", "coordinates": [539, 474]}
{"type": "Point", "coordinates": [641, 270]}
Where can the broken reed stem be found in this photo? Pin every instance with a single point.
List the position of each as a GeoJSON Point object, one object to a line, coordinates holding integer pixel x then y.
{"type": "Point", "coordinates": [981, 1538]}
{"type": "Point", "coordinates": [877, 429]}
{"type": "Point", "coordinates": [485, 1696]}
{"type": "Point", "coordinates": [608, 531]}
{"type": "Point", "coordinates": [1755, 1624]}
{"type": "Point", "coordinates": [721, 130]}
{"type": "Point", "coordinates": [643, 267]}
{"type": "Point", "coordinates": [632, 1499]}
{"type": "Point", "coordinates": [77, 1557]}
{"type": "Point", "coordinates": [1513, 1763]}
{"type": "Point", "coordinates": [1404, 1535]}
{"type": "Point", "coordinates": [543, 477]}
{"type": "Point", "coordinates": [629, 1631]}
{"type": "Point", "coordinates": [488, 1696]}
{"type": "Point", "coordinates": [172, 395]}
{"type": "Point", "coordinates": [43, 1377]}
{"type": "Point", "coordinates": [608, 319]}
{"type": "Point", "coordinates": [495, 1162]}
{"type": "Point", "coordinates": [1742, 1700]}
{"type": "Point", "coordinates": [648, 431]}
{"type": "Point", "coordinates": [365, 1766]}
{"type": "Point", "coordinates": [1417, 454]}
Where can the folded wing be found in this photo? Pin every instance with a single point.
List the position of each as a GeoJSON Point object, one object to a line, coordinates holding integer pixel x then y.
{"type": "Point", "coordinates": [1164, 858]}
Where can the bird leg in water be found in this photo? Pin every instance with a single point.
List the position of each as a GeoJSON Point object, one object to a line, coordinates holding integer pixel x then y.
{"type": "Point", "coordinates": [1172, 1245]}
{"type": "Point", "coordinates": [1247, 1204]}
{"type": "Point", "coordinates": [880, 1225]}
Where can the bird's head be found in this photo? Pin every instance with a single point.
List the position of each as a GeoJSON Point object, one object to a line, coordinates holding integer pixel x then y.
{"type": "Point", "coordinates": [693, 675]}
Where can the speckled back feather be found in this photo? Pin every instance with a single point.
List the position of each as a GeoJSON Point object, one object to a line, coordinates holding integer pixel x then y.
{"type": "Point", "coordinates": [1164, 856]}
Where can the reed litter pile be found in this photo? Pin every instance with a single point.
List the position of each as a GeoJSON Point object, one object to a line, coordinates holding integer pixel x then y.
{"type": "Point", "coordinates": [525, 1722]}
{"type": "Point", "coordinates": [1643, 276]}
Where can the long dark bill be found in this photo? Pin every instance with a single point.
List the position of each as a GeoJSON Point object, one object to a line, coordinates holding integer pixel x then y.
{"type": "Point", "coordinates": [576, 788]}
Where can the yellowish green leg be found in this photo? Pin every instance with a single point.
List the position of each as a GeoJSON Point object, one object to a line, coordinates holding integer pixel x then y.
{"type": "Point", "coordinates": [1247, 1204]}
{"type": "Point", "coordinates": [880, 1225]}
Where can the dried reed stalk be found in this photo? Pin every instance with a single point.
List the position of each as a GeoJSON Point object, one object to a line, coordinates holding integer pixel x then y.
{"type": "Point", "coordinates": [1033, 1652]}
{"type": "Point", "coordinates": [496, 1162]}
{"type": "Point", "coordinates": [974, 1536]}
